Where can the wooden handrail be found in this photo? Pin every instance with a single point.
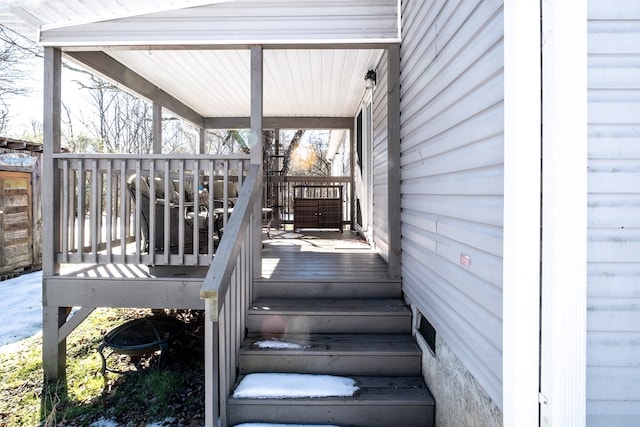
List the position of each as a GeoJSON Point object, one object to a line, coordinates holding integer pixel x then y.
{"type": "Point", "coordinates": [227, 289]}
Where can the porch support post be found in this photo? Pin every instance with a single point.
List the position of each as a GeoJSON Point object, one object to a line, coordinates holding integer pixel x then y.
{"type": "Point", "coordinates": [521, 230]}
{"type": "Point", "coordinates": [202, 141]}
{"type": "Point", "coordinates": [352, 171]}
{"type": "Point", "coordinates": [393, 165]}
{"type": "Point", "coordinates": [156, 128]}
{"type": "Point", "coordinates": [54, 352]}
{"type": "Point", "coordinates": [256, 147]}
{"type": "Point", "coordinates": [564, 213]}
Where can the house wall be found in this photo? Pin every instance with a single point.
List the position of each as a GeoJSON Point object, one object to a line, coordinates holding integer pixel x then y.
{"type": "Point", "coordinates": [452, 173]}
{"type": "Point", "coordinates": [381, 161]}
{"type": "Point", "coordinates": [613, 318]}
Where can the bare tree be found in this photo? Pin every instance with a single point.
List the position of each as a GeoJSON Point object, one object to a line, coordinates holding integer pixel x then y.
{"type": "Point", "coordinates": [16, 53]}
{"type": "Point", "coordinates": [120, 123]}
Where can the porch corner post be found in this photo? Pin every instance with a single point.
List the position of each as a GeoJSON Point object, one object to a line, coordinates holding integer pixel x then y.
{"type": "Point", "coordinates": [156, 128]}
{"type": "Point", "coordinates": [54, 351]}
{"type": "Point", "coordinates": [564, 214]}
{"type": "Point", "coordinates": [393, 171]}
{"type": "Point", "coordinates": [256, 147]}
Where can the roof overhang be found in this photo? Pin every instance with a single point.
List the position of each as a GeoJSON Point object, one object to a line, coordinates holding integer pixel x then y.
{"type": "Point", "coordinates": [195, 60]}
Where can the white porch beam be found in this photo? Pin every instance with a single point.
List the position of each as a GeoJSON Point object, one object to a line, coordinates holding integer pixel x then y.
{"type": "Point", "coordinates": [521, 243]}
{"type": "Point", "coordinates": [564, 213]}
{"type": "Point", "coordinates": [115, 71]}
{"type": "Point", "coordinates": [293, 122]}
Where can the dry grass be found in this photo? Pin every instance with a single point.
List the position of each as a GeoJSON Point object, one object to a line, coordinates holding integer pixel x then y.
{"type": "Point", "coordinates": [173, 395]}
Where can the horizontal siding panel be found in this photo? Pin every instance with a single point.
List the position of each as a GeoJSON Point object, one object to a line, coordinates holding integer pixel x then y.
{"type": "Point", "coordinates": [618, 181]}
{"type": "Point", "coordinates": [484, 265]}
{"type": "Point", "coordinates": [458, 331]}
{"type": "Point", "coordinates": [424, 221]}
{"type": "Point", "coordinates": [623, 10]}
{"type": "Point", "coordinates": [487, 181]}
{"type": "Point", "coordinates": [613, 314]}
{"type": "Point", "coordinates": [485, 124]}
{"type": "Point", "coordinates": [606, 413]}
{"type": "Point", "coordinates": [614, 210]}
{"type": "Point", "coordinates": [480, 209]}
{"type": "Point", "coordinates": [614, 280]}
{"type": "Point", "coordinates": [611, 74]}
{"type": "Point", "coordinates": [623, 144]}
{"type": "Point", "coordinates": [615, 111]}
{"type": "Point", "coordinates": [430, 122]}
{"type": "Point", "coordinates": [620, 349]}
{"type": "Point", "coordinates": [454, 49]}
{"type": "Point", "coordinates": [613, 383]}
{"type": "Point", "coordinates": [613, 245]}
{"type": "Point", "coordinates": [460, 281]}
{"type": "Point", "coordinates": [477, 155]}
{"type": "Point", "coordinates": [486, 238]}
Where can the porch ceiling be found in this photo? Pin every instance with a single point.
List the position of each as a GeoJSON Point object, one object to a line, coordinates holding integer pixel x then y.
{"type": "Point", "coordinates": [297, 82]}
{"type": "Point", "coordinates": [323, 78]}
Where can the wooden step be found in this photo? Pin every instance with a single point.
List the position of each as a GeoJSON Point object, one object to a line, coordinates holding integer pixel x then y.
{"type": "Point", "coordinates": [329, 316]}
{"type": "Point", "coordinates": [327, 288]}
{"type": "Point", "coordinates": [339, 354]}
{"type": "Point", "coordinates": [380, 402]}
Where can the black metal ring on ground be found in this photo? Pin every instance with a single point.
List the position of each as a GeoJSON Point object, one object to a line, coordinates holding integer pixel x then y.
{"type": "Point", "coordinates": [142, 336]}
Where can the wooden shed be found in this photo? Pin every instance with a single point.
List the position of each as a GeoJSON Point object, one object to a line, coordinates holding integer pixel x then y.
{"type": "Point", "coordinates": [20, 207]}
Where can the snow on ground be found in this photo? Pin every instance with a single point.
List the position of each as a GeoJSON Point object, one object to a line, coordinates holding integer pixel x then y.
{"type": "Point", "coordinates": [21, 311]}
{"type": "Point", "coordinates": [20, 308]}
{"type": "Point", "coordinates": [269, 386]}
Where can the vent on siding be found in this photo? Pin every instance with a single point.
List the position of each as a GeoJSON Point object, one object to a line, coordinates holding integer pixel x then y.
{"type": "Point", "coordinates": [428, 332]}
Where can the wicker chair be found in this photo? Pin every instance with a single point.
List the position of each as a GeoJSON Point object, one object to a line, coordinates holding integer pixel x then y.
{"type": "Point", "coordinates": [191, 212]}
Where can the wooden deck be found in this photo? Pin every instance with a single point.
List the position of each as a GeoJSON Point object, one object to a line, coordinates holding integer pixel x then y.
{"type": "Point", "coordinates": [321, 255]}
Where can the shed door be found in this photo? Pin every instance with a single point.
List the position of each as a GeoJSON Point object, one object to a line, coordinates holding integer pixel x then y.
{"type": "Point", "coordinates": [15, 220]}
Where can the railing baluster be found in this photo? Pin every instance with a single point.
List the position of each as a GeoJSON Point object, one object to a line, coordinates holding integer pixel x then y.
{"type": "Point", "coordinates": [64, 218]}
{"type": "Point", "coordinates": [151, 233]}
{"type": "Point", "coordinates": [96, 216]}
{"type": "Point", "coordinates": [109, 196]}
{"type": "Point", "coordinates": [138, 211]}
{"type": "Point", "coordinates": [124, 212]}
{"type": "Point", "coordinates": [81, 208]}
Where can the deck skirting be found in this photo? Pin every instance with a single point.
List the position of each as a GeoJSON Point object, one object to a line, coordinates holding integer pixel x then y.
{"type": "Point", "coordinates": [145, 292]}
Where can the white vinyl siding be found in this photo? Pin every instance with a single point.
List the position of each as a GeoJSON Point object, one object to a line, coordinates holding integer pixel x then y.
{"type": "Point", "coordinates": [381, 162]}
{"type": "Point", "coordinates": [452, 154]}
{"type": "Point", "coordinates": [613, 316]}
{"type": "Point", "coordinates": [242, 22]}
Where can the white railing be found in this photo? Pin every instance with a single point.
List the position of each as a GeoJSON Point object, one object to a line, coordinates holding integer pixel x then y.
{"type": "Point", "coordinates": [112, 211]}
{"type": "Point", "coordinates": [227, 290]}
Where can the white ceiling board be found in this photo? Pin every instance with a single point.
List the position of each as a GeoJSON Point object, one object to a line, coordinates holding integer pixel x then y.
{"type": "Point", "coordinates": [215, 83]}
{"type": "Point", "coordinates": [300, 82]}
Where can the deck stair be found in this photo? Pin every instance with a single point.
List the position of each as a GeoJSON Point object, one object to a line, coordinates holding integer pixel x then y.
{"type": "Point", "coordinates": [359, 329]}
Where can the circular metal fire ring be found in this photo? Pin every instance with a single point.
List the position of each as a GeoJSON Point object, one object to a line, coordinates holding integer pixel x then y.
{"type": "Point", "coordinates": [142, 336]}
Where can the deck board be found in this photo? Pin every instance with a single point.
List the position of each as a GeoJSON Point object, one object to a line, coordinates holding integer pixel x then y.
{"type": "Point", "coordinates": [321, 256]}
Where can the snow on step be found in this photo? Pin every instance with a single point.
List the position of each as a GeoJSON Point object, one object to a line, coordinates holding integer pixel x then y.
{"type": "Point", "coordinates": [281, 386]}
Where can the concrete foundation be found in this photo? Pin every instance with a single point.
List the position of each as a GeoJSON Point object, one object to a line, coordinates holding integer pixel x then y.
{"type": "Point", "coordinates": [460, 401]}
